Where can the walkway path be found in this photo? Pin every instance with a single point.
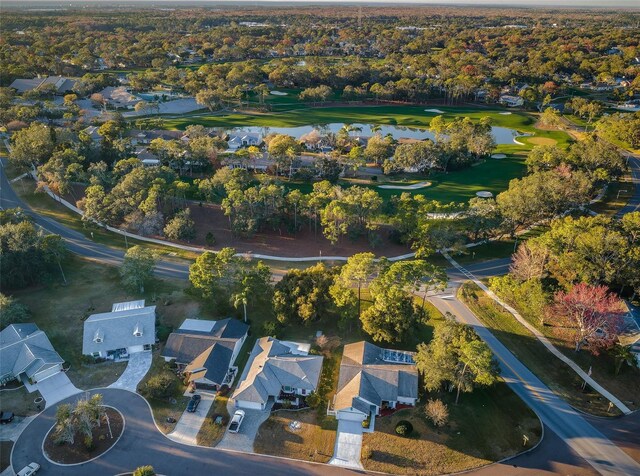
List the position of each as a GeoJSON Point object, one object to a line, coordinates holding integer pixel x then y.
{"type": "Point", "coordinates": [137, 367]}
{"type": "Point", "coordinates": [543, 339]}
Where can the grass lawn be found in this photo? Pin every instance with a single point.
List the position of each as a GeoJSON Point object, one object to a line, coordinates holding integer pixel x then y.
{"type": "Point", "coordinates": [556, 375]}
{"type": "Point", "coordinates": [174, 404]}
{"type": "Point", "coordinates": [486, 426]}
{"type": "Point", "coordinates": [60, 311]}
{"type": "Point", "coordinates": [20, 402]}
{"type": "Point", "coordinates": [210, 433]}
{"type": "Point", "coordinates": [314, 441]}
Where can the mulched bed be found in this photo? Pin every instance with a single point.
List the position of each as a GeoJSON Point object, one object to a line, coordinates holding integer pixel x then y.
{"type": "Point", "coordinates": [77, 453]}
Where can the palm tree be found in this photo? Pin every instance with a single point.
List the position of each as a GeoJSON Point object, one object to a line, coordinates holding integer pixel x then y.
{"type": "Point", "coordinates": [240, 298]}
{"type": "Point", "coordinates": [623, 355]}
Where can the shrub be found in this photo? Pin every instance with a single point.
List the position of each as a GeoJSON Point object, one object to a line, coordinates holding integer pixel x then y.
{"type": "Point", "coordinates": [366, 452]}
{"type": "Point", "coordinates": [437, 412]}
{"type": "Point", "coordinates": [160, 386]}
{"type": "Point", "coordinates": [162, 333]}
{"type": "Point", "coordinates": [144, 471]}
{"type": "Point", "coordinates": [313, 400]}
{"type": "Point", "coordinates": [88, 443]}
{"type": "Point", "coordinates": [209, 239]}
{"type": "Point", "coordinates": [270, 328]}
{"type": "Point", "coordinates": [404, 428]}
{"type": "Point", "coordinates": [286, 404]}
{"type": "Point", "coordinates": [223, 391]}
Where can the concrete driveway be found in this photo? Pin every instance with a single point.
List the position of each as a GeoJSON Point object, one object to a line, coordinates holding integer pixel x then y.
{"type": "Point", "coordinates": [189, 424]}
{"type": "Point", "coordinates": [348, 445]}
{"type": "Point", "coordinates": [56, 388]}
{"type": "Point", "coordinates": [137, 367]}
{"type": "Point", "coordinates": [243, 440]}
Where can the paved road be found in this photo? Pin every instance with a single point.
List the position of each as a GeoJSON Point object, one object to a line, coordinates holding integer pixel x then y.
{"type": "Point", "coordinates": [582, 437]}
{"type": "Point", "coordinates": [633, 205]}
{"type": "Point", "coordinates": [143, 444]}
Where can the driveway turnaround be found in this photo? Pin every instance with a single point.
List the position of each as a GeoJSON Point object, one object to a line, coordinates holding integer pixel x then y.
{"type": "Point", "coordinates": [137, 367]}
{"type": "Point", "coordinates": [243, 440]}
{"type": "Point", "coordinates": [348, 445]}
{"type": "Point", "coordinates": [56, 388]}
{"type": "Point", "coordinates": [141, 444]}
{"type": "Point", "coordinates": [189, 425]}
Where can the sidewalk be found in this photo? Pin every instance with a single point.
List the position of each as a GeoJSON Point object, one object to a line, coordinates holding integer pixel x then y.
{"type": "Point", "coordinates": [583, 375]}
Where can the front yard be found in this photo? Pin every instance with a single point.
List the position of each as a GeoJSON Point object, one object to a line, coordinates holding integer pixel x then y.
{"type": "Point", "coordinates": [20, 402]}
{"type": "Point", "coordinates": [313, 441]}
{"type": "Point", "coordinates": [486, 426]}
{"type": "Point", "coordinates": [211, 432]}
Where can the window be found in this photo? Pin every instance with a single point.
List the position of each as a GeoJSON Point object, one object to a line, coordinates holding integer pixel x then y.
{"type": "Point", "coordinates": [96, 354]}
{"type": "Point", "coordinates": [287, 389]}
{"type": "Point", "coordinates": [98, 340]}
{"type": "Point", "coordinates": [303, 391]}
{"type": "Point", "coordinates": [137, 334]}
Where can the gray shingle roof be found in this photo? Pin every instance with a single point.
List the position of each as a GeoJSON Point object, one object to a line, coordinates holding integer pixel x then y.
{"type": "Point", "coordinates": [25, 348]}
{"type": "Point", "coordinates": [211, 350]}
{"type": "Point", "coordinates": [272, 366]}
{"type": "Point", "coordinates": [116, 329]}
{"type": "Point", "coordinates": [365, 376]}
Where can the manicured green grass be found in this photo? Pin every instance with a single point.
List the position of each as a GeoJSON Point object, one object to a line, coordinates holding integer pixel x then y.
{"type": "Point", "coordinates": [20, 402]}
{"type": "Point", "coordinates": [556, 375]}
{"type": "Point", "coordinates": [485, 426]}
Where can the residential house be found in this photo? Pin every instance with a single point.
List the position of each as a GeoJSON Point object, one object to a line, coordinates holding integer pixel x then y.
{"type": "Point", "coordinates": [26, 354]}
{"type": "Point", "coordinates": [92, 132]}
{"type": "Point", "coordinates": [206, 351]}
{"type": "Point", "coordinates": [119, 97]}
{"type": "Point", "coordinates": [277, 371]}
{"type": "Point", "coordinates": [58, 84]}
{"type": "Point", "coordinates": [142, 137]}
{"type": "Point", "coordinates": [511, 101]}
{"type": "Point", "coordinates": [130, 327]}
{"type": "Point", "coordinates": [373, 379]}
{"type": "Point", "coordinates": [148, 159]}
{"type": "Point", "coordinates": [243, 139]}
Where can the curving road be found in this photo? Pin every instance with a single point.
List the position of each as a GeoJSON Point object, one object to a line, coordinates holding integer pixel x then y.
{"type": "Point", "coordinates": [141, 444]}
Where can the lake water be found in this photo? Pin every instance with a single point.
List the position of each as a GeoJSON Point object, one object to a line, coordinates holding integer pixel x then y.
{"type": "Point", "coordinates": [502, 135]}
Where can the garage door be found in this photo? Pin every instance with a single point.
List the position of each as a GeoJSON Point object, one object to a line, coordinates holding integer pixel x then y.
{"type": "Point", "coordinates": [249, 405]}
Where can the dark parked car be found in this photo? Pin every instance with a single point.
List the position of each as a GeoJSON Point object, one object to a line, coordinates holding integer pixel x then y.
{"type": "Point", "coordinates": [6, 417]}
{"type": "Point", "coordinates": [193, 403]}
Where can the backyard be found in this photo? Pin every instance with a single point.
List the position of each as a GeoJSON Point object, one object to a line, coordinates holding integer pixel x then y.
{"type": "Point", "coordinates": [559, 377]}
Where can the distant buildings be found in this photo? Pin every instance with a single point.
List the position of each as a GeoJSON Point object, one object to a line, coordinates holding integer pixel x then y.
{"type": "Point", "coordinates": [57, 84]}
{"type": "Point", "coordinates": [511, 101]}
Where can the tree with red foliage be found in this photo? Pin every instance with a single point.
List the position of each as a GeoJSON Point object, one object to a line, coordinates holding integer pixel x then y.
{"type": "Point", "coordinates": [593, 313]}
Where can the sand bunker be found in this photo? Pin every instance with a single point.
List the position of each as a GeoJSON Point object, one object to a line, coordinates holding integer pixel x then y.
{"type": "Point", "coordinates": [498, 156]}
{"type": "Point", "coordinates": [484, 194]}
{"type": "Point", "coordinates": [278, 93]}
{"type": "Point", "coordinates": [437, 111]}
{"type": "Point", "coordinates": [415, 186]}
{"type": "Point", "coordinates": [505, 113]}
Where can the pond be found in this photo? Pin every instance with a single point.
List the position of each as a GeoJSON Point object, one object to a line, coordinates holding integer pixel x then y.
{"type": "Point", "coordinates": [502, 135]}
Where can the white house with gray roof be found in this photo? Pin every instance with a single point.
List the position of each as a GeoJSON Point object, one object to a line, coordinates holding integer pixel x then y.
{"type": "Point", "coordinates": [130, 327]}
{"type": "Point", "coordinates": [371, 379]}
{"type": "Point", "coordinates": [277, 369]}
{"type": "Point", "coordinates": [27, 354]}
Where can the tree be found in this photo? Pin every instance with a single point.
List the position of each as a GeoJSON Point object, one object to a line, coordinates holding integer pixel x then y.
{"type": "Point", "coordinates": [11, 311]}
{"type": "Point", "coordinates": [622, 355]}
{"type": "Point", "coordinates": [456, 356]}
{"type": "Point", "coordinates": [284, 149]}
{"type": "Point", "coordinates": [357, 271]}
{"type": "Point", "coordinates": [412, 277]}
{"type": "Point", "coordinates": [551, 118]}
{"type": "Point", "coordinates": [144, 471]}
{"type": "Point", "coordinates": [160, 386]}
{"type": "Point", "coordinates": [65, 429]}
{"type": "Point", "coordinates": [213, 273]}
{"type": "Point", "coordinates": [137, 267]}
{"type": "Point", "coordinates": [378, 149]}
{"type": "Point", "coordinates": [32, 146]}
{"type": "Point", "coordinates": [181, 226]}
{"type": "Point", "coordinates": [391, 316]}
{"type": "Point", "coordinates": [593, 313]}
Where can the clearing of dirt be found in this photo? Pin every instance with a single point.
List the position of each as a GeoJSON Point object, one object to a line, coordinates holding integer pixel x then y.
{"type": "Point", "coordinates": [211, 218]}
{"type": "Point", "coordinates": [415, 186]}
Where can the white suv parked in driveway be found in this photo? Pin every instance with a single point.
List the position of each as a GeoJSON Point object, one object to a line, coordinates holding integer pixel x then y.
{"type": "Point", "coordinates": [236, 421]}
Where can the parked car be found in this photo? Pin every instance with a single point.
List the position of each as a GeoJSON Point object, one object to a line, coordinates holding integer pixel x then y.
{"type": "Point", "coordinates": [193, 403]}
{"type": "Point", "coordinates": [31, 468]}
{"type": "Point", "coordinates": [236, 421]}
{"type": "Point", "coordinates": [6, 417]}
